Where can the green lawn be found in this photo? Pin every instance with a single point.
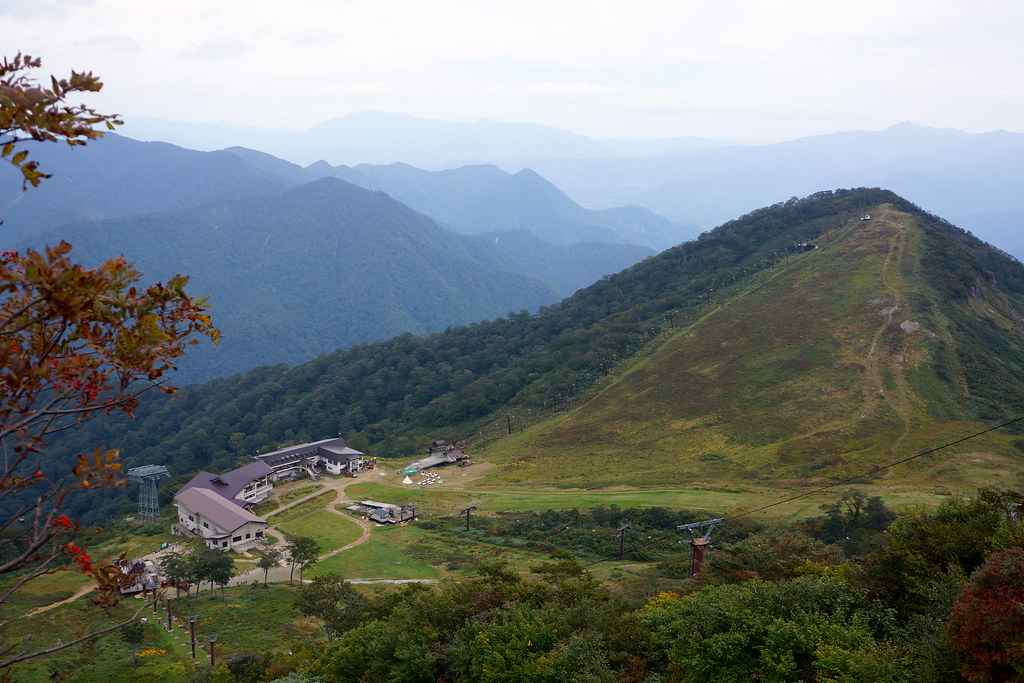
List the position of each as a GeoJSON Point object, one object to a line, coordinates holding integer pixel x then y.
{"type": "Point", "coordinates": [301, 492]}
{"type": "Point", "coordinates": [381, 557]}
{"type": "Point", "coordinates": [329, 529]}
{"type": "Point", "coordinates": [320, 501]}
{"type": "Point", "coordinates": [737, 499]}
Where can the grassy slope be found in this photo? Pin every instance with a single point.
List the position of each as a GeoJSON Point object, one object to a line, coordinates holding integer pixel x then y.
{"type": "Point", "coordinates": [801, 375]}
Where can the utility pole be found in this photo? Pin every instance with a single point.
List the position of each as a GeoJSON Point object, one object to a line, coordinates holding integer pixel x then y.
{"type": "Point", "coordinates": [170, 626]}
{"type": "Point", "coordinates": [699, 545]}
{"type": "Point", "coordinates": [466, 511]}
{"type": "Point", "coordinates": [192, 633]}
{"type": "Point", "coordinates": [213, 639]}
{"type": "Point", "coordinates": [621, 532]}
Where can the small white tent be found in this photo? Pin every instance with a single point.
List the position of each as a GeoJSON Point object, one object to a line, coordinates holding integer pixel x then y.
{"type": "Point", "coordinates": [407, 480]}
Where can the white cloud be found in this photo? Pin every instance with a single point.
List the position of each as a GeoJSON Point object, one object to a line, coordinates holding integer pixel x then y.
{"type": "Point", "coordinates": [112, 43]}
{"type": "Point", "coordinates": [733, 68]}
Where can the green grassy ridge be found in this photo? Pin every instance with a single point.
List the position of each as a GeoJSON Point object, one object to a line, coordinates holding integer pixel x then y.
{"type": "Point", "coordinates": [785, 381]}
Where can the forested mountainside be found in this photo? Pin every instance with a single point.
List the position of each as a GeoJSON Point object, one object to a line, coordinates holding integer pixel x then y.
{"type": "Point", "coordinates": [966, 298]}
{"type": "Point", "coordinates": [321, 266]}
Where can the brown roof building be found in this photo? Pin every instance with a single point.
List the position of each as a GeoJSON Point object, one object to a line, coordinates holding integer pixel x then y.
{"type": "Point", "coordinates": [218, 520]}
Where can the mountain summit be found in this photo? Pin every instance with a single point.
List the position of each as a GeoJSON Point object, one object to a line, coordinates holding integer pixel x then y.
{"type": "Point", "coordinates": [887, 331]}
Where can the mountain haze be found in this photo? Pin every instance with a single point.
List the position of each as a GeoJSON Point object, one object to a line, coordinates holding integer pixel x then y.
{"type": "Point", "coordinates": [373, 137]}
{"type": "Point", "coordinates": [947, 171]}
{"type": "Point", "coordinates": [483, 198]}
{"type": "Point", "coordinates": [324, 265]}
{"type": "Point", "coordinates": [115, 177]}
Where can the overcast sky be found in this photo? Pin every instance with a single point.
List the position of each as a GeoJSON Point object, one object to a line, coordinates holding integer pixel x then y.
{"type": "Point", "coordinates": [744, 70]}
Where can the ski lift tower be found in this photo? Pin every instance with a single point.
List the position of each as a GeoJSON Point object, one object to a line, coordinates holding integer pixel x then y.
{"type": "Point", "coordinates": [146, 477]}
{"type": "Point", "coordinates": [699, 545]}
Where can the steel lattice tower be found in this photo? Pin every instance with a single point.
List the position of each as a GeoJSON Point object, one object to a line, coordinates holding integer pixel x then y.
{"type": "Point", "coordinates": [147, 476]}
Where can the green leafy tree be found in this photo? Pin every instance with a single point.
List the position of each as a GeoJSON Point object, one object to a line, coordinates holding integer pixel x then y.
{"type": "Point", "coordinates": [855, 522]}
{"type": "Point", "coordinates": [221, 569]}
{"type": "Point", "coordinates": [332, 603]}
{"type": "Point", "coordinates": [176, 567]}
{"type": "Point", "coordinates": [210, 565]}
{"type": "Point", "coordinates": [303, 552]}
{"type": "Point", "coordinates": [923, 546]}
{"type": "Point", "coordinates": [759, 630]}
{"type": "Point", "coordinates": [269, 559]}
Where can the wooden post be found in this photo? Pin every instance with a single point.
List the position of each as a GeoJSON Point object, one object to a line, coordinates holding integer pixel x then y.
{"type": "Point", "coordinates": [170, 626]}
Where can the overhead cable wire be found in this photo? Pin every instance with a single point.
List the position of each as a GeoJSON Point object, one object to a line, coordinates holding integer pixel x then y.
{"type": "Point", "coordinates": [841, 482]}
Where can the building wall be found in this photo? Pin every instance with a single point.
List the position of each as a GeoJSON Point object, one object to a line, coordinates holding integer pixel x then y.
{"type": "Point", "coordinates": [248, 534]}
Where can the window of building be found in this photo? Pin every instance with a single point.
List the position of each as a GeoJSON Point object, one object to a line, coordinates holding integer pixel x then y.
{"type": "Point", "coordinates": [224, 544]}
{"type": "Point", "coordinates": [190, 518]}
{"type": "Point", "coordinates": [236, 539]}
{"type": "Point", "coordinates": [247, 535]}
{"type": "Point", "coordinates": [259, 534]}
{"type": "Point", "coordinates": [205, 525]}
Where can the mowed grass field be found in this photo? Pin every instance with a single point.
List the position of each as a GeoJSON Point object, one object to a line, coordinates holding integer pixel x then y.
{"type": "Point", "coordinates": [384, 556]}
{"type": "Point", "coordinates": [330, 530]}
{"type": "Point", "coordinates": [440, 500]}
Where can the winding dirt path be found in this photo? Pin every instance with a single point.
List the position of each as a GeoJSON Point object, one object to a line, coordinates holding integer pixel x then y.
{"type": "Point", "coordinates": [84, 590]}
{"type": "Point", "coordinates": [882, 366]}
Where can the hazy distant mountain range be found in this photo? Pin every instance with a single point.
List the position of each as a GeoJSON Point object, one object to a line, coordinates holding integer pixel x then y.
{"type": "Point", "coordinates": [972, 179]}
{"type": "Point", "coordinates": [373, 137]}
{"type": "Point", "coordinates": [298, 262]}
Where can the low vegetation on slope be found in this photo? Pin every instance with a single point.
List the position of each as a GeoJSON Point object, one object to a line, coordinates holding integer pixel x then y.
{"type": "Point", "coordinates": [833, 362]}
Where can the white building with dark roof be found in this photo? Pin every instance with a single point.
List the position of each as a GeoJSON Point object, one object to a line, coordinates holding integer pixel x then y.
{"type": "Point", "coordinates": [218, 520]}
{"type": "Point", "coordinates": [331, 455]}
{"type": "Point", "coordinates": [246, 486]}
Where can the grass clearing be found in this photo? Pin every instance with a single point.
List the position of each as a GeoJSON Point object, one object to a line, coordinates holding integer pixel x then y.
{"type": "Point", "coordinates": [266, 507]}
{"type": "Point", "coordinates": [248, 619]}
{"type": "Point", "coordinates": [320, 501]}
{"type": "Point", "coordinates": [330, 530]}
{"type": "Point", "coordinates": [301, 492]}
{"type": "Point", "coordinates": [384, 556]}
